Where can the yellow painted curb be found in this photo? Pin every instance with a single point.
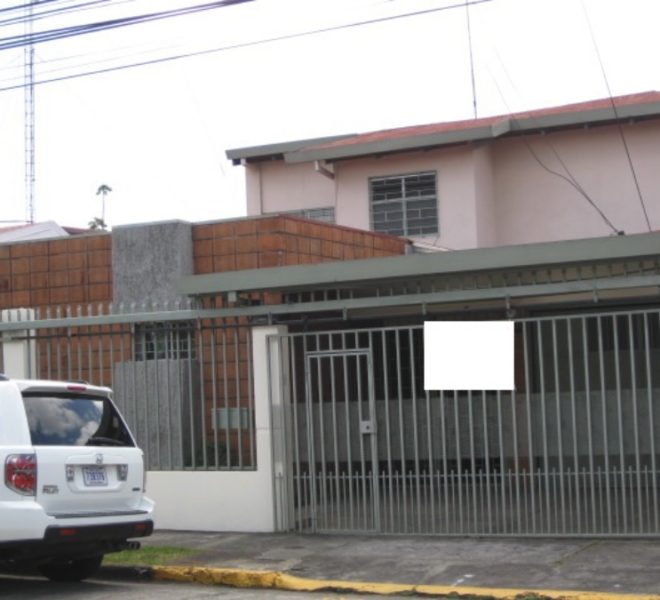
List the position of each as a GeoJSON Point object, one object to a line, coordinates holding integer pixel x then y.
{"type": "Point", "coordinates": [243, 578]}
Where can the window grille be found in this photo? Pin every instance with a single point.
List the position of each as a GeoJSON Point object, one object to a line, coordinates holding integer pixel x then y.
{"type": "Point", "coordinates": [404, 204]}
{"type": "Point", "coordinates": [164, 340]}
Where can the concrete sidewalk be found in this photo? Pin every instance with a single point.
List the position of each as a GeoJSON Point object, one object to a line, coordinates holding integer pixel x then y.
{"type": "Point", "coordinates": [498, 568]}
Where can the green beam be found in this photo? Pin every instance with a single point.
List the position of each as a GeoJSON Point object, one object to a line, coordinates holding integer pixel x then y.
{"type": "Point", "coordinates": [377, 270]}
{"type": "Point", "coordinates": [527, 291]}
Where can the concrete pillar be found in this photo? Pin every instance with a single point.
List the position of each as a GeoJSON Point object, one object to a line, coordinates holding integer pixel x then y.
{"type": "Point", "coordinates": [269, 364]}
{"type": "Point", "coordinates": [19, 348]}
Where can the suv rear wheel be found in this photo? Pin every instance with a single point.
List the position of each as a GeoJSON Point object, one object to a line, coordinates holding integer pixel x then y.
{"type": "Point", "coordinates": [71, 570]}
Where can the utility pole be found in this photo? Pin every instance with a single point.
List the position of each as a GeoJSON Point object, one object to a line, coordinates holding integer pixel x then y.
{"type": "Point", "coordinates": [28, 76]}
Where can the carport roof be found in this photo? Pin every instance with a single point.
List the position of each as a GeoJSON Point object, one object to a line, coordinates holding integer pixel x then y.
{"type": "Point", "coordinates": [415, 267]}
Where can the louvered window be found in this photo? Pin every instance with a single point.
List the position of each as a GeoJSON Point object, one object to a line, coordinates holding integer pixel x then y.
{"type": "Point", "coordinates": [404, 204]}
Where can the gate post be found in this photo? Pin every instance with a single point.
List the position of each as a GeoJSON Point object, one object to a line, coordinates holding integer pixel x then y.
{"type": "Point", "coordinates": [269, 360]}
{"type": "Point", "coordinates": [19, 349]}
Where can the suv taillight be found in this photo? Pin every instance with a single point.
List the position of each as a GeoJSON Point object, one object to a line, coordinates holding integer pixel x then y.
{"type": "Point", "coordinates": [21, 473]}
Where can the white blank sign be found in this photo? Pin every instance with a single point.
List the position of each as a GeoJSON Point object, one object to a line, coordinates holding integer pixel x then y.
{"type": "Point", "coordinates": [468, 355]}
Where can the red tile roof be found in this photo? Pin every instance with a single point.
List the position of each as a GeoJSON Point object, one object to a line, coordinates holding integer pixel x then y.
{"type": "Point", "coordinates": [429, 129]}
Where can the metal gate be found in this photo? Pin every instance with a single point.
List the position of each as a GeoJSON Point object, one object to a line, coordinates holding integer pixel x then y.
{"type": "Point", "coordinates": [571, 452]}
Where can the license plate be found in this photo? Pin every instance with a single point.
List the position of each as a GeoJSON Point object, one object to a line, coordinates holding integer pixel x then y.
{"type": "Point", "coordinates": [94, 476]}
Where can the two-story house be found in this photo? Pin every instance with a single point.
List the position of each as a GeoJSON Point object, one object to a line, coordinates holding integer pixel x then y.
{"type": "Point", "coordinates": [575, 171]}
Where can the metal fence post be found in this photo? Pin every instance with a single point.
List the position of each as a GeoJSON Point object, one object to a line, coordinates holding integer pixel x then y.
{"type": "Point", "coordinates": [18, 347]}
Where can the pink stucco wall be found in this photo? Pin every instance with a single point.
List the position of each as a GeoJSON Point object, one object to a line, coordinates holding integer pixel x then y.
{"type": "Point", "coordinates": [534, 205]}
{"type": "Point", "coordinates": [275, 187]}
{"type": "Point", "coordinates": [492, 193]}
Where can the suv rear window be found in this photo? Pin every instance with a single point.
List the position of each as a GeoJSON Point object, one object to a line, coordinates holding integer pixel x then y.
{"type": "Point", "coordinates": [74, 420]}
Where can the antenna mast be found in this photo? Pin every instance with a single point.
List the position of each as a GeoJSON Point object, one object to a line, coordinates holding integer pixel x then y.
{"type": "Point", "coordinates": [28, 75]}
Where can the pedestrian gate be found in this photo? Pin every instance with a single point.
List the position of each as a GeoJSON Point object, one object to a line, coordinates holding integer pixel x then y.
{"type": "Point", "coordinates": [571, 452]}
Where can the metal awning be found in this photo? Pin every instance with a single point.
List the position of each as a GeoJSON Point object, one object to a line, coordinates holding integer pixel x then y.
{"type": "Point", "coordinates": [619, 266]}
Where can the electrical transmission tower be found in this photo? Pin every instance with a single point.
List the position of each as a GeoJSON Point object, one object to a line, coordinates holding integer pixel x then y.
{"type": "Point", "coordinates": [28, 74]}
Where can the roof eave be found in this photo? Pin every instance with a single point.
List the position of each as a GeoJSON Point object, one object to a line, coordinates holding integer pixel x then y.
{"type": "Point", "coordinates": [488, 132]}
{"type": "Point", "coordinates": [255, 153]}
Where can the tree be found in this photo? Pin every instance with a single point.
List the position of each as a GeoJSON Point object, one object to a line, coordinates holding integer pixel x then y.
{"type": "Point", "coordinates": [103, 191]}
{"type": "Point", "coordinates": [97, 223]}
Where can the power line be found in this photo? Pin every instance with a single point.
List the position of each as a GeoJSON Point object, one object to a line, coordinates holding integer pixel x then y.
{"type": "Point", "coordinates": [21, 19]}
{"type": "Point", "coordinates": [19, 41]}
{"type": "Point", "coordinates": [618, 120]}
{"type": "Point", "coordinates": [247, 44]}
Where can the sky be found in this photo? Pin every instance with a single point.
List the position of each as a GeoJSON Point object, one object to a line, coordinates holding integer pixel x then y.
{"type": "Point", "coordinates": [157, 134]}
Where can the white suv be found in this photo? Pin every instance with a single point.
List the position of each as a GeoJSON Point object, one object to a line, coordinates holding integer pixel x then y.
{"type": "Point", "coordinates": [73, 478]}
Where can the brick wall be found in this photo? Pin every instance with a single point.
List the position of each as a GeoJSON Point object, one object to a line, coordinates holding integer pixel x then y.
{"type": "Point", "coordinates": [283, 240]}
{"type": "Point", "coordinates": [78, 270]}
{"type": "Point", "coordinates": [75, 270]}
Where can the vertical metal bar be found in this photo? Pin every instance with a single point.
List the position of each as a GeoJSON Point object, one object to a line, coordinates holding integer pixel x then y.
{"type": "Point", "coordinates": [429, 445]}
{"type": "Point", "coordinates": [402, 446]}
{"type": "Point", "coordinates": [323, 475]}
{"type": "Point", "coordinates": [473, 466]}
{"type": "Point", "coordinates": [190, 397]}
{"type": "Point", "coordinates": [79, 338]}
{"type": "Point", "coordinates": [459, 466]}
{"type": "Point", "coordinates": [225, 382]}
{"type": "Point", "coordinates": [295, 425]}
{"type": "Point", "coordinates": [237, 382]}
{"type": "Point", "coordinates": [372, 437]}
{"type": "Point", "coordinates": [90, 361]}
{"type": "Point", "coordinates": [560, 437]}
{"type": "Point", "coordinates": [649, 389]}
{"type": "Point", "coordinates": [516, 462]}
{"type": "Point", "coordinates": [635, 409]}
{"type": "Point", "coordinates": [214, 398]}
{"type": "Point", "coordinates": [606, 445]}
{"type": "Point", "coordinates": [445, 474]}
{"type": "Point", "coordinates": [413, 392]}
{"type": "Point", "coordinates": [250, 400]}
{"type": "Point", "coordinates": [335, 436]}
{"type": "Point", "coordinates": [111, 355]}
{"type": "Point", "coordinates": [49, 358]}
{"type": "Point", "coordinates": [388, 430]}
{"type": "Point", "coordinates": [487, 460]}
{"type": "Point", "coordinates": [363, 459]}
{"type": "Point", "coordinates": [622, 457]}
{"type": "Point", "coordinates": [544, 426]}
{"type": "Point", "coordinates": [590, 441]}
{"type": "Point", "coordinates": [311, 450]}
{"type": "Point", "coordinates": [349, 441]}
{"type": "Point", "coordinates": [202, 393]}
{"type": "Point", "coordinates": [530, 431]}
{"type": "Point", "coordinates": [574, 427]}
{"type": "Point", "coordinates": [158, 394]}
{"type": "Point", "coordinates": [500, 440]}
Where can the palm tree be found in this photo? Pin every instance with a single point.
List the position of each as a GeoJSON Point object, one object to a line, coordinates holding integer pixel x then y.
{"type": "Point", "coordinates": [103, 191]}
{"type": "Point", "coordinates": [97, 223]}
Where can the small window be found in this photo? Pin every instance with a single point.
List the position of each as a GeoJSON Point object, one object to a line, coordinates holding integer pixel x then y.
{"type": "Point", "coordinates": [164, 340]}
{"type": "Point", "coordinates": [326, 214]}
{"type": "Point", "coordinates": [66, 420]}
{"type": "Point", "coordinates": [404, 204]}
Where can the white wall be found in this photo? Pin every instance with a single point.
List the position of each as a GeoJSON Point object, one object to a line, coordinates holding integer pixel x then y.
{"type": "Point", "coordinates": [212, 501]}
{"type": "Point", "coordinates": [19, 355]}
{"type": "Point", "coordinates": [227, 500]}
